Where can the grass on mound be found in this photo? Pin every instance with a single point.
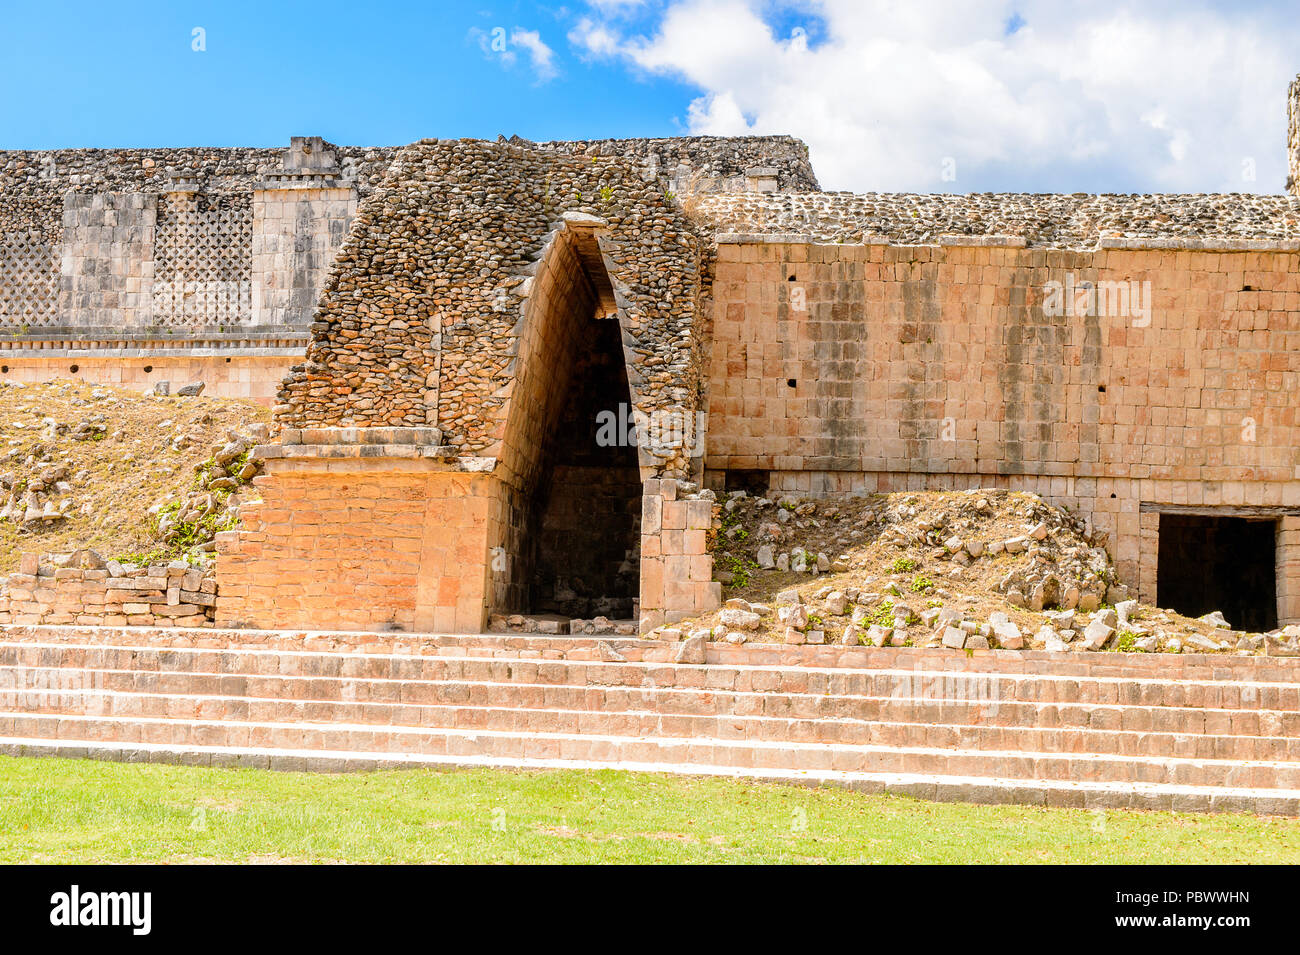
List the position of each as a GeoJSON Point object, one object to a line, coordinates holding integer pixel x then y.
{"type": "Point", "coordinates": [83, 811]}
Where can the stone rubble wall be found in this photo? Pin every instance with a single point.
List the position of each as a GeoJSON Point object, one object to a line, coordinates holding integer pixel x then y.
{"type": "Point", "coordinates": [700, 164]}
{"type": "Point", "coordinates": [420, 324]}
{"type": "Point", "coordinates": [1079, 221]}
{"type": "Point", "coordinates": [88, 591]}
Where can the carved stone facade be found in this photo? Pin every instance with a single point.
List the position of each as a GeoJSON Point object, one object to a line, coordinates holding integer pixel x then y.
{"type": "Point", "coordinates": [202, 278]}
{"type": "Point", "coordinates": [510, 377]}
{"type": "Point", "coordinates": [122, 262]}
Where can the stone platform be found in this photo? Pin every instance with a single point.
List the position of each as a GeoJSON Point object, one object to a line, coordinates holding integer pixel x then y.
{"type": "Point", "coordinates": [1106, 730]}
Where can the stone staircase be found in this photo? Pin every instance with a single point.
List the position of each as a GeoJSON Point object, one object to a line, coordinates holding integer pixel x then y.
{"type": "Point", "coordinates": [1100, 730]}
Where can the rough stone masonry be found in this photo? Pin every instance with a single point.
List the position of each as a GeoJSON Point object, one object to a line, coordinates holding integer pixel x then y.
{"type": "Point", "coordinates": [478, 306]}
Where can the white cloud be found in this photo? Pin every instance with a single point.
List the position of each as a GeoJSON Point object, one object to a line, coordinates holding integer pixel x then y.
{"type": "Point", "coordinates": [541, 56]}
{"type": "Point", "coordinates": [1168, 97]}
{"type": "Point", "coordinates": [497, 45]}
{"type": "Point", "coordinates": [717, 115]}
{"type": "Point", "coordinates": [595, 38]}
{"type": "Point", "coordinates": [616, 6]}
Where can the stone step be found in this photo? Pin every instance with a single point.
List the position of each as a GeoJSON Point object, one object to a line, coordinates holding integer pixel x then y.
{"type": "Point", "coordinates": [610, 748]}
{"type": "Point", "coordinates": [408, 668]}
{"type": "Point", "coordinates": [1083, 729]}
{"type": "Point", "coordinates": [21, 685]}
{"type": "Point", "coordinates": [1057, 793]}
{"type": "Point", "coordinates": [500, 708]}
{"type": "Point", "coordinates": [1224, 667]}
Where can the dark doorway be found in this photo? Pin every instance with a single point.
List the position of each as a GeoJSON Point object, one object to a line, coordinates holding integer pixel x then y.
{"type": "Point", "coordinates": [589, 548]}
{"type": "Point", "coordinates": [1227, 564]}
{"type": "Point", "coordinates": [753, 483]}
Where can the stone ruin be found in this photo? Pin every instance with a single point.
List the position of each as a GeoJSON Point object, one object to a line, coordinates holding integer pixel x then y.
{"type": "Point", "coordinates": [511, 377]}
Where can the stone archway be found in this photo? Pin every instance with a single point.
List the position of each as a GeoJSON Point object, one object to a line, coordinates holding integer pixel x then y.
{"type": "Point", "coordinates": [446, 347]}
{"type": "Point", "coordinates": [571, 480]}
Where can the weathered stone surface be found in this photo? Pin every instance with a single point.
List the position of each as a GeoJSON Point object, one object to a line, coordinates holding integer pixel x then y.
{"type": "Point", "coordinates": [1098, 632]}
{"type": "Point", "coordinates": [954, 638]}
{"type": "Point", "coordinates": [691, 650]}
{"type": "Point", "coordinates": [608, 654]}
{"type": "Point", "coordinates": [740, 619]}
{"type": "Point", "coordinates": [793, 615]}
{"type": "Point", "coordinates": [1005, 631]}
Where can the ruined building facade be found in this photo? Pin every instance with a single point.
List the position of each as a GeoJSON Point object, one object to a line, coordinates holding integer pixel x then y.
{"type": "Point", "coordinates": [460, 339]}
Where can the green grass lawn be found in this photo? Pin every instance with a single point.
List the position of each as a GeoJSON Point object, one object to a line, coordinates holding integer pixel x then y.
{"type": "Point", "coordinates": [57, 810]}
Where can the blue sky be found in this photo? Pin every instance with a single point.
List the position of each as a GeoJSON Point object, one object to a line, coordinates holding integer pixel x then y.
{"type": "Point", "coordinates": [357, 73]}
{"type": "Point", "coordinates": [980, 95]}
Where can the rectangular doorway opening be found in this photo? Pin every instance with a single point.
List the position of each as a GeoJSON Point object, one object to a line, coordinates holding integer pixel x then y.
{"type": "Point", "coordinates": [1229, 564]}
{"type": "Point", "coordinates": [753, 483]}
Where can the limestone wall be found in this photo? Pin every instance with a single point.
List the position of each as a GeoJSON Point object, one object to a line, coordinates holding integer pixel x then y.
{"type": "Point", "coordinates": [676, 565]}
{"type": "Point", "coordinates": [120, 251]}
{"type": "Point", "coordinates": [237, 370]}
{"type": "Point", "coordinates": [336, 545]}
{"type": "Point", "coordinates": [874, 367]}
{"type": "Point", "coordinates": [88, 591]}
{"type": "Point", "coordinates": [113, 255]}
{"type": "Point", "coordinates": [146, 238]}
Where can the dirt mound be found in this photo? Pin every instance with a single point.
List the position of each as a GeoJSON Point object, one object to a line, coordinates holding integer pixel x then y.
{"type": "Point", "coordinates": [131, 476]}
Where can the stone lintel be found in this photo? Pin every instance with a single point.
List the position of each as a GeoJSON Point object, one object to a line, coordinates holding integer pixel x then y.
{"type": "Point", "coordinates": [355, 459]}
{"type": "Point", "coordinates": [584, 220]}
{"type": "Point", "coordinates": [417, 437]}
{"type": "Point", "coordinates": [1193, 243]}
{"type": "Point", "coordinates": [1118, 243]}
{"type": "Point", "coordinates": [289, 182]}
{"type": "Point", "coordinates": [983, 241]}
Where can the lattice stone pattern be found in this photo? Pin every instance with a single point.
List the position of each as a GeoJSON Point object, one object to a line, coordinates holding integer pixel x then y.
{"type": "Point", "coordinates": [203, 272]}
{"type": "Point", "coordinates": [28, 269]}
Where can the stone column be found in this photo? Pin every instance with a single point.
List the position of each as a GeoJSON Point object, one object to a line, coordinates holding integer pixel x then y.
{"type": "Point", "coordinates": [676, 566]}
{"type": "Point", "coordinates": [301, 215]}
{"type": "Point", "coordinates": [106, 276]}
{"type": "Point", "coordinates": [1288, 571]}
